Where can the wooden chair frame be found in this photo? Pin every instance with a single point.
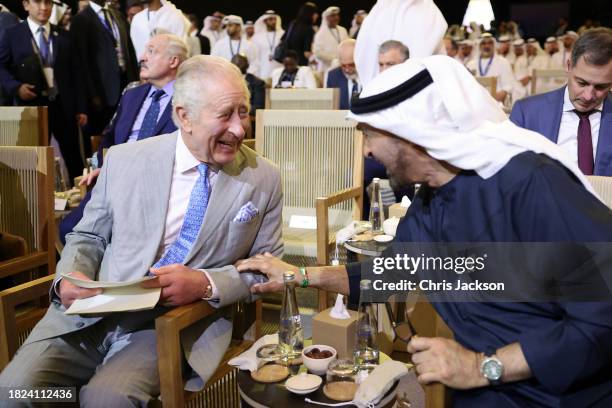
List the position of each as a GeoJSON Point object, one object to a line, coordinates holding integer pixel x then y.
{"type": "Point", "coordinates": [312, 94]}
{"type": "Point", "coordinates": [39, 113]}
{"type": "Point", "coordinates": [490, 83]}
{"type": "Point", "coordinates": [542, 74]}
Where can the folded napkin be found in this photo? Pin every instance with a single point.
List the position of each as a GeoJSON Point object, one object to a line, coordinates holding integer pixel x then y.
{"type": "Point", "coordinates": [380, 380]}
{"type": "Point", "coordinates": [374, 387]}
{"type": "Point", "coordinates": [248, 360]}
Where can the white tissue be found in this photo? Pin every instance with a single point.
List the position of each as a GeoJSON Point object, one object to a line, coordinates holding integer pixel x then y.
{"type": "Point", "coordinates": [405, 202]}
{"type": "Point", "coordinates": [248, 360]}
{"type": "Point", "coordinates": [339, 310]}
{"type": "Point", "coordinates": [390, 225]}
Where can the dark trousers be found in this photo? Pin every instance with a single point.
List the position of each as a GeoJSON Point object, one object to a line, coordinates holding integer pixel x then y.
{"type": "Point", "coordinates": [63, 126]}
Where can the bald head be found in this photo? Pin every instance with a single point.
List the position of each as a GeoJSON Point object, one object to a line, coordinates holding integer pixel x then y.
{"type": "Point", "coordinates": [346, 52]}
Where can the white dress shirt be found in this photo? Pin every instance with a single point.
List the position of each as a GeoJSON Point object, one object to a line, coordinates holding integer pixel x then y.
{"type": "Point", "coordinates": [568, 130]}
{"type": "Point", "coordinates": [184, 176]}
{"type": "Point", "coordinates": [34, 29]}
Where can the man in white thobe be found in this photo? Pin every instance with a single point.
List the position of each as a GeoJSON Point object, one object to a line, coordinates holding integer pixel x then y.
{"type": "Point", "coordinates": [236, 43]}
{"type": "Point", "coordinates": [212, 28]}
{"type": "Point", "coordinates": [159, 14]}
{"type": "Point", "coordinates": [268, 32]}
{"type": "Point", "coordinates": [327, 39]}
{"type": "Point", "coordinates": [488, 64]}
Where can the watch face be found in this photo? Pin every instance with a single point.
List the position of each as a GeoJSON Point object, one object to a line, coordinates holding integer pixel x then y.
{"type": "Point", "coordinates": [492, 370]}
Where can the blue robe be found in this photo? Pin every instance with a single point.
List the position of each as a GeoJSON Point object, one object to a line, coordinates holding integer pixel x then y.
{"type": "Point", "coordinates": [568, 346]}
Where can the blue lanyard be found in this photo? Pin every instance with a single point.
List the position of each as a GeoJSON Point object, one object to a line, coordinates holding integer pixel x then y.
{"type": "Point", "coordinates": [488, 66]}
{"type": "Point", "coordinates": [237, 48]}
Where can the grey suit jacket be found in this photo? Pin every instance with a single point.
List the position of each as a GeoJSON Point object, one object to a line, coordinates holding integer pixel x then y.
{"type": "Point", "coordinates": [123, 226]}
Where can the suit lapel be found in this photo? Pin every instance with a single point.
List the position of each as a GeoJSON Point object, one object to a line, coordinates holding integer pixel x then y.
{"type": "Point", "coordinates": [603, 158]}
{"type": "Point", "coordinates": [139, 98]}
{"type": "Point", "coordinates": [96, 20]}
{"type": "Point", "coordinates": [227, 187]}
{"type": "Point", "coordinates": [164, 118]}
{"type": "Point", "coordinates": [156, 193]}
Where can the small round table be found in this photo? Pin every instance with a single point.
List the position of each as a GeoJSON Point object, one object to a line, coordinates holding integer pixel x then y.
{"type": "Point", "coordinates": [367, 248]}
{"type": "Point", "coordinates": [259, 395]}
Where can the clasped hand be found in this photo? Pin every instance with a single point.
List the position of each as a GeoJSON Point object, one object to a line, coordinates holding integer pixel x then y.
{"type": "Point", "coordinates": [270, 266]}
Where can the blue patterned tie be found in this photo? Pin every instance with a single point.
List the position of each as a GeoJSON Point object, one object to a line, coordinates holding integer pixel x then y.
{"type": "Point", "coordinates": [198, 201]}
{"type": "Point", "coordinates": [149, 122]}
{"type": "Point", "coordinates": [43, 46]}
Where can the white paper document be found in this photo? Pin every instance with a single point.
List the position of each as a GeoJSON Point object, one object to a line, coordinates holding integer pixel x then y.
{"type": "Point", "coordinates": [116, 297]}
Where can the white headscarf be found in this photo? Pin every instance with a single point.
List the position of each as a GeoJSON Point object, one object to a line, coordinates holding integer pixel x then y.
{"type": "Point", "coordinates": [57, 12]}
{"type": "Point", "coordinates": [207, 31]}
{"type": "Point", "coordinates": [354, 25]}
{"type": "Point", "coordinates": [260, 25]}
{"type": "Point", "coordinates": [417, 23]}
{"type": "Point", "coordinates": [328, 11]}
{"type": "Point", "coordinates": [456, 120]}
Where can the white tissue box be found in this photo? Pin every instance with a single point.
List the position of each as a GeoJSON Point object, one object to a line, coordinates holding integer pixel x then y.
{"type": "Point", "coordinates": [337, 333]}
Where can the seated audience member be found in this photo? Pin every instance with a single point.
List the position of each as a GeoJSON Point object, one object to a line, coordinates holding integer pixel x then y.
{"type": "Point", "coordinates": [390, 53]}
{"type": "Point", "coordinates": [291, 75]}
{"type": "Point", "coordinates": [345, 76]}
{"type": "Point", "coordinates": [489, 64]}
{"type": "Point", "coordinates": [466, 52]}
{"type": "Point", "coordinates": [187, 221]}
{"type": "Point", "coordinates": [143, 111]}
{"type": "Point", "coordinates": [578, 116]}
{"type": "Point", "coordinates": [529, 353]}
{"type": "Point", "coordinates": [451, 47]}
{"type": "Point", "coordinates": [24, 81]}
{"type": "Point", "coordinates": [257, 87]}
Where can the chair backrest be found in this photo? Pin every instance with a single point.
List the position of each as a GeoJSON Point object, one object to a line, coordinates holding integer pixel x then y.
{"type": "Point", "coordinates": [23, 126]}
{"type": "Point", "coordinates": [544, 80]}
{"type": "Point", "coordinates": [490, 83]}
{"type": "Point", "coordinates": [26, 195]}
{"type": "Point", "coordinates": [318, 152]}
{"type": "Point", "coordinates": [603, 187]}
{"type": "Point", "coordinates": [296, 98]}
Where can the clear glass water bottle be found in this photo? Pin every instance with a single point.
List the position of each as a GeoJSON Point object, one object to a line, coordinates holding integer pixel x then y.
{"type": "Point", "coordinates": [290, 334]}
{"type": "Point", "coordinates": [366, 349]}
{"type": "Point", "coordinates": [377, 213]}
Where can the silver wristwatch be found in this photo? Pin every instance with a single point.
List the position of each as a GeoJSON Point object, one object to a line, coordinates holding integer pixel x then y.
{"type": "Point", "coordinates": [492, 368]}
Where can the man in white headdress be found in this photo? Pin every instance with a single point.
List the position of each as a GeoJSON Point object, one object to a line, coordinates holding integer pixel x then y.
{"type": "Point", "coordinates": [358, 18]}
{"type": "Point", "coordinates": [521, 69]}
{"type": "Point", "coordinates": [212, 28]}
{"type": "Point", "coordinates": [159, 14]}
{"type": "Point", "coordinates": [555, 58]}
{"type": "Point", "coordinates": [567, 41]}
{"type": "Point", "coordinates": [249, 30]}
{"type": "Point", "coordinates": [327, 39]}
{"type": "Point", "coordinates": [489, 64]}
{"type": "Point", "coordinates": [466, 52]}
{"type": "Point", "coordinates": [418, 24]}
{"type": "Point", "coordinates": [504, 48]}
{"type": "Point", "coordinates": [537, 58]}
{"type": "Point", "coordinates": [236, 43]}
{"type": "Point", "coordinates": [268, 32]}
{"type": "Point", "coordinates": [483, 179]}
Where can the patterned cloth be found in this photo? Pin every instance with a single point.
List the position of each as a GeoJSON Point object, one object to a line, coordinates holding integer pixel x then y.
{"type": "Point", "coordinates": [198, 202]}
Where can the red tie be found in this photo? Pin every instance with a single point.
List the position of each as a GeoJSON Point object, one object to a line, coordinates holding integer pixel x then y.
{"type": "Point", "coordinates": [585, 144]}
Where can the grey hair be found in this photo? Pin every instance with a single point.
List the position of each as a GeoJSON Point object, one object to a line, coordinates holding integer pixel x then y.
{"type": "Point", "coordinates": [193, 77]}
{"type": "Point", "coordinates": [595, 45]}
{"type": "Point", "coordinates": [394, 45]}
{"type": "Point", "coordinates": [176, 47]}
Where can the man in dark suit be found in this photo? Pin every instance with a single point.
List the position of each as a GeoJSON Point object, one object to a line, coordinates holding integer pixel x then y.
{"type": "Point", "coordinates": [143, 111]}
{"type": "Point", "coordinates": [38, 67]}
{"type": "Point", "coordinates": [578, 116]}
{"type": "Point", "coordinates": [107, 58]}
{"type": "Point", "coordinates": [345, 76]}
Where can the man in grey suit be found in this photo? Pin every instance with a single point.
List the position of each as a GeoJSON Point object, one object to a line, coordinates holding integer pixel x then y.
{"type": "Point", "coordinates": [201, 202]}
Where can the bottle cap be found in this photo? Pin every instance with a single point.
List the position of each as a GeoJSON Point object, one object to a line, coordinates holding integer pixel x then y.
{"type": "Point", "coordinates": [376, 180]}
{"type": "Point", "coordinates": [288, 276]}
{"type": "Point", "coordinates": [365, 284]}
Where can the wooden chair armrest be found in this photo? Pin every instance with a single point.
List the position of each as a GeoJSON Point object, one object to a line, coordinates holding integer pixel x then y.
{"type": "Point", "coordinates": [23, 263]}
{"type": "Point", "coordinates": [339, 196]}
{"type": "Point", "coordinates": [26, 291]}
{"type": "Point", "coordinates": [168, 328]}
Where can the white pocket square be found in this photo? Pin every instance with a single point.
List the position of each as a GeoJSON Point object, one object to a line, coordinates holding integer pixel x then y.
{"type": "Point", "coordinates": [246, 213]}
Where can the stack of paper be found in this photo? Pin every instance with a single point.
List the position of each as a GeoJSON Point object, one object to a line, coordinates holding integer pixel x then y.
{"type": "Point", "coordinates": [116, 296]}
